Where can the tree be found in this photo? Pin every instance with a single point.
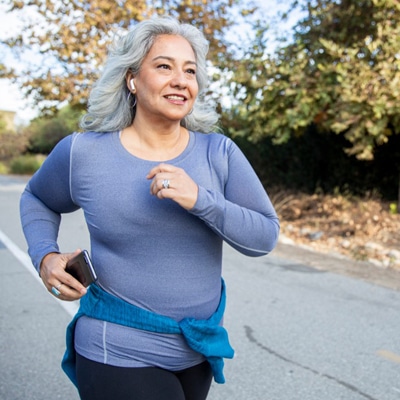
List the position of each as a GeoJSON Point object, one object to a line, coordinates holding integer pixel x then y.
{"type": "Point", "coordinates": [43, 133]}
{"type": "Point", "coordinates": [11, 144]}
{"type": "Point", "coordinates": [340, 73]}
{"type": "Point", "coordinates": [68, 40]}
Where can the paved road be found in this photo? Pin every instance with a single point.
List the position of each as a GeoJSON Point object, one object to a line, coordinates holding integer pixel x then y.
{"type": "Point", "coordinates": [304, 327]}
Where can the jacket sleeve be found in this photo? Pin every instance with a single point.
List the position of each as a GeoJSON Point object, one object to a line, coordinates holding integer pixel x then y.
{"type": "Point", "coordinates": [243, 215]}
{"type": "Point", "coordinates": [45, 198]}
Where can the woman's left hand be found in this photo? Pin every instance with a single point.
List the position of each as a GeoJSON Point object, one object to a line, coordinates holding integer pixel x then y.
{"type": "Point", "coordinates": [169, 182]}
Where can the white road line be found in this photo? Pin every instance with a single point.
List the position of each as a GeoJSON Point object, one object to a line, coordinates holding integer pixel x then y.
{"type": "Point", "coordinates": [23, 258]}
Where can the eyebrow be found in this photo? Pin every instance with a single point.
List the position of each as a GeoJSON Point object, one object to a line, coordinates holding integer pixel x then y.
{"type": "Point", "coordinates": [173, 59]}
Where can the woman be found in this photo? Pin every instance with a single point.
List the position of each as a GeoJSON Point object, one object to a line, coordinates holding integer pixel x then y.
{"type": "Point", "coordinates": [160, 194]}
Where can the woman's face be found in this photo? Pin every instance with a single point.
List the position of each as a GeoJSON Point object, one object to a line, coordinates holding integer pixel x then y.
{"type": "Point", "coordinates": [166, 85]}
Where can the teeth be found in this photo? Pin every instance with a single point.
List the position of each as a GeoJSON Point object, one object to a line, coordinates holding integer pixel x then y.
{"type": "Point", "coordinates": [175, 97]}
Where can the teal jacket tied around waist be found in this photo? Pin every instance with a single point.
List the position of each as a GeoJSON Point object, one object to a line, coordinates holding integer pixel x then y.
{"type": "Point", "coordinates": [206, 337]}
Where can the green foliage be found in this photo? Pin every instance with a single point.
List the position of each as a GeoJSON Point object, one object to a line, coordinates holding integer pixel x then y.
{"type": "Point", "coordinates": [70, 40]}
{"type": "Point", "coordinates": [3, 125]}
{"type": "Point", "coordinates": [341, 74]}
{"type": "Point", "coordinates": [329, 96]}
{"type": "Point", "coordinates": [45, 132]}
{"type": "Point", "coordinates": [11, 144]}
{"type": "Point", "coordinates": [3, 169]}
{"type": "Point", "coordinates": [314, 162]}
{"type": "Point", "coordinates": [26, 164]}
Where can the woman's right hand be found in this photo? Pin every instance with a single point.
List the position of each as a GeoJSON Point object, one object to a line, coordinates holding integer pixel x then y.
{"type": "Point", "coordinates": [56, 280]}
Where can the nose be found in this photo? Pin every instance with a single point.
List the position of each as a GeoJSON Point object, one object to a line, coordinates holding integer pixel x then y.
{"type": "Point", "coordinates": [179, 80]}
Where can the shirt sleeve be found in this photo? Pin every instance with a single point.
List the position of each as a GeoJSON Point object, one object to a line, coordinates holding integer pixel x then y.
{"type": "Point", "coordinates": [243, 215]}
{"type": "Point", "coordinates": [45, 198]}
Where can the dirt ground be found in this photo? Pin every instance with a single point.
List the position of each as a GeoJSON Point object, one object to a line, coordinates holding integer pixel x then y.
{"type": "Point", "coordinates": [362, 230]}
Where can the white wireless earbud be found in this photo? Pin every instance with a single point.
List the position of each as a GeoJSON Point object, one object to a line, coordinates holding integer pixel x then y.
{"type": "Point", "coordinates": [132, 84]}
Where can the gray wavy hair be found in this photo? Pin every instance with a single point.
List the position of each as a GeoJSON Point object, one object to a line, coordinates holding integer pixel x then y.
{"type": "Point", "coordinates": [110, 107]}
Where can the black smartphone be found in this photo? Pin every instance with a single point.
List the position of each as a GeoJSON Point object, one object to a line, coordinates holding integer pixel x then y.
{"type": "Point", "coordinates": [81, 268]}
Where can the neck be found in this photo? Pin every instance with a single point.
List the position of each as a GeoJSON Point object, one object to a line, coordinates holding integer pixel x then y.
{"type": "Point", "coordinates": [155, 143]}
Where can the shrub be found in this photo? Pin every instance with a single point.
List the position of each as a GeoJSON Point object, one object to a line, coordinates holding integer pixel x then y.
{"type": "Point", "coordinates": [26, 164]}
{"type": "Point", "coordinates": [11, 145]}
{"type": "Point", "coordinates": [3, 169]}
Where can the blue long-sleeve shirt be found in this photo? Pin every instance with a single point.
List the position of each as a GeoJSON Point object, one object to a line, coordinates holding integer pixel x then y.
{"type": "Point", "coordinates": [150, 252]}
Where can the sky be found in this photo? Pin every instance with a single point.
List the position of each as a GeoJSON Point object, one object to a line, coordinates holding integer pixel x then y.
{"type": "Point", "coordinates": [10, 96]}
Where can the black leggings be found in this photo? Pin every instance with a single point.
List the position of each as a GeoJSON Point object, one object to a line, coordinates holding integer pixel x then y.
{"type": "Point", "coordinates": [98, 381]}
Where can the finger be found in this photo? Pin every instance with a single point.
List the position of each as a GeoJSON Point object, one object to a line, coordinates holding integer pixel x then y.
{"type": "Point", "coordinates": [72, 283]}
{"type": "Point", "coordinates": [68, 293]}
{"type": "Point", "coordinates": [75, 253]}
{"type": "Point", "coordinates": [67, 288]}
{"type": "Point", "coordinates": [54, 275]}
{"type": "Point", "coordinates": [165, 186]}
{"type": "Point", "coordinates": [65, 293]}
{"type": "Point", "coordinates": [55, 290]}
{"type": "Point", "coordinates": [161, 181]}
{"type": "Point", "coordinates": [159, 169]}
{"type": "Point", "coordinates": [164, 183]}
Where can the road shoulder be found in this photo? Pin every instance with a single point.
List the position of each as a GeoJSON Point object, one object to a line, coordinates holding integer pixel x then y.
{"type": "Point", "coordinates": [336, 263]}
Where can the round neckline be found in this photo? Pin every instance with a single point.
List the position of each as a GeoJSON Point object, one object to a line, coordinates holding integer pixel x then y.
{"type": "Point", "coordinates": [186, 150]}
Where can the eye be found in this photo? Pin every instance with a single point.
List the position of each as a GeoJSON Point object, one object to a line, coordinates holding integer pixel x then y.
{"type": "Point", "coordinates": [191, 71]}
{"type": "Point", "coordinates": [163, 66]}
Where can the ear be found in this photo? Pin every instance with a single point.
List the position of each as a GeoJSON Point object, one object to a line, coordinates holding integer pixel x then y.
{"type": "Point", "coordinates": [130, 82]}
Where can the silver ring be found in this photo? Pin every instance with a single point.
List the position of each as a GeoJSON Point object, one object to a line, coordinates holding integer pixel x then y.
{"type": "Point", "coordinates": [165, 183]}
{"type": "Point", "coordinates": [55, 291]}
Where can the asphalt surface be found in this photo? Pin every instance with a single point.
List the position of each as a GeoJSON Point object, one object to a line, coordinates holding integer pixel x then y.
{"type": "Point", "coordinates": [305, 326]}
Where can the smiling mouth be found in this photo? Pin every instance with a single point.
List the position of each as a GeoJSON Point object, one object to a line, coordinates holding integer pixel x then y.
{"type": "Point", "coordinates": [174, 97]}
